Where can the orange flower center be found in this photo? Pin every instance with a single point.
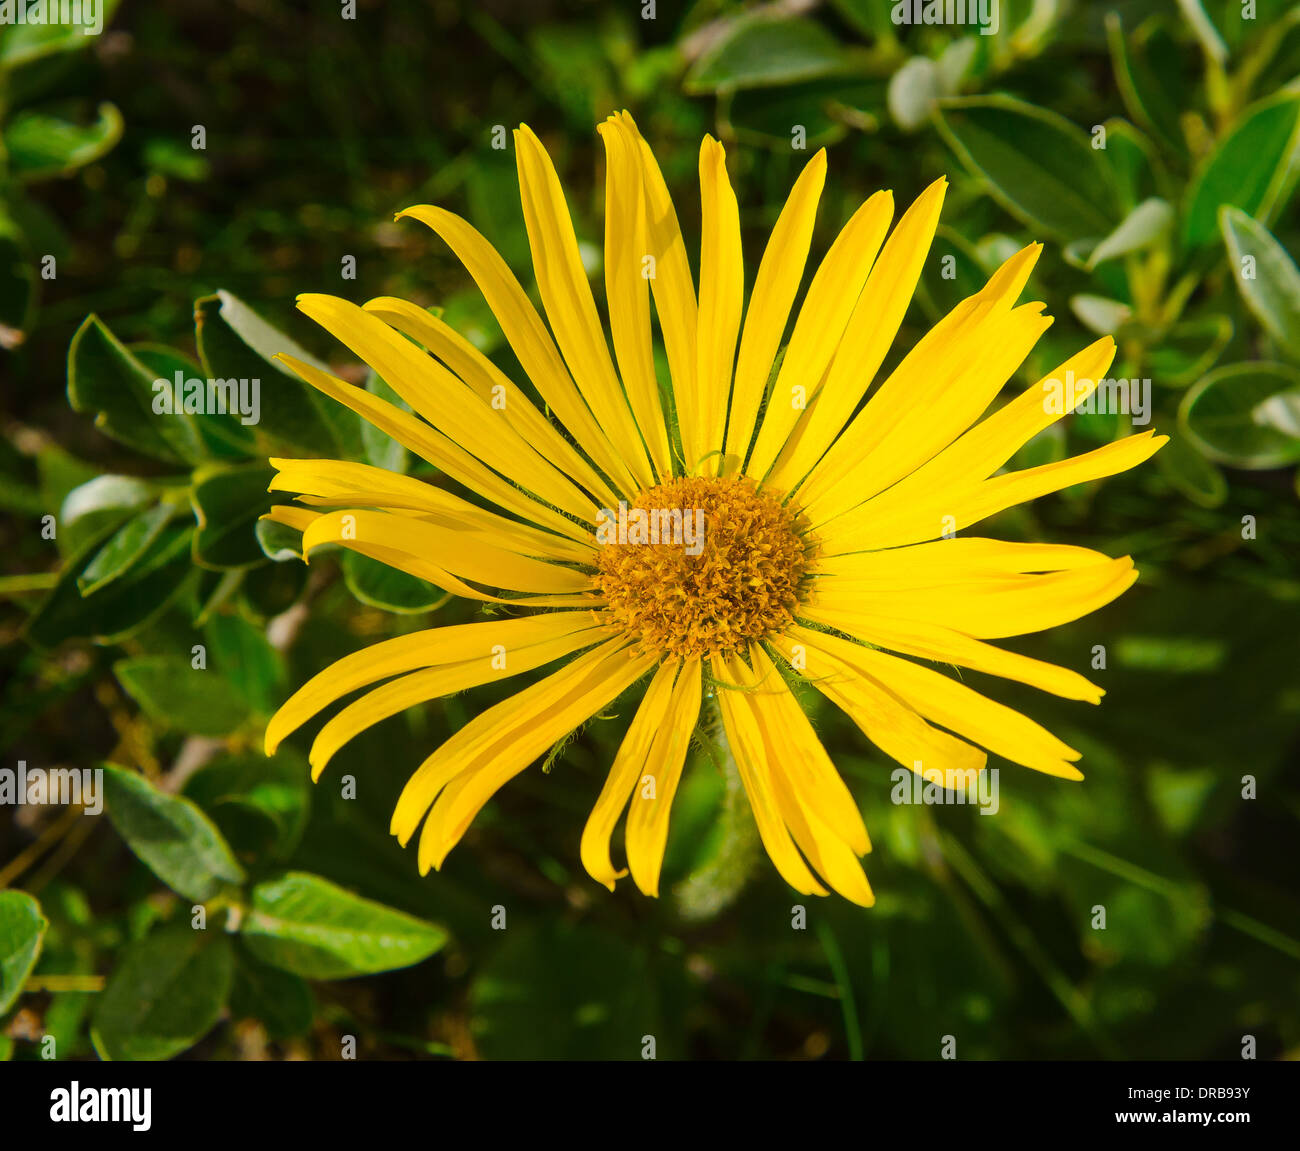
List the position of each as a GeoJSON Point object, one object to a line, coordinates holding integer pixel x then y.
{"type": "Point", "coordinates": [700, 565]}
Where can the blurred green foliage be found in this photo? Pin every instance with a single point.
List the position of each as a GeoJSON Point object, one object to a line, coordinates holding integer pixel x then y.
{"type": "Point", "coordinates": [152, 623]}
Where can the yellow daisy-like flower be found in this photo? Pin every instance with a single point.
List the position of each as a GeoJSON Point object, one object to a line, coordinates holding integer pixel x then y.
{"type": "Point", "coordinates": [717, 534]}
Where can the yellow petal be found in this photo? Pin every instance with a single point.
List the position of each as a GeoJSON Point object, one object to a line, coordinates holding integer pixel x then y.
{"type": "Point", "coordinates": [527, 336]}
{"type": "Point", "coordinates": [962, 710]}
{"type": "Point", "coordinates": [826, 311]}
{"type": "Point", "coordinates": [673, 289]}
{"type": "Point", "coordinates": [435, 448]}
{"type": "Point", "coordinates": [627, 289]}
{"type": "Point", "coordinates": [428, 648]}
{"type": "Point", "coordinates": [629, 763]}
{"type": "Point", "coordinates": [566, 294]}
{"type": "Point", "coordinates": [874, 324]}
{"type": "Point", "coordinates": [647, 820]}
{"type": "Point", "coordinates": [926, 515]}
{"type": "Point", "coordinates": [499, 743]}
{"type": "Point", "coordinates": [991, 607]}
{"type": "Point", "coordinates": [446, 402]}
{"type": "Point", "coordinates": [348, 484]}
{"type": "Point", "coordinates": [493, 387]}
{"type": "Point", "coordinates": [470, 559]}
{"type": "Point", "coordinates": [750, 752]}
{"type": "Point", "coordinates": [780, 273]}
{"type": "Point", "coordinates": [419, 687]}
{"type": "Point", "coordinates": [722, 292]}
{"type": "Point", "coordinates": [943, 645]}
{"type": "Point", "coordinates": [883, 718]}
{"type": "Point", "coordinates": [946, 391]}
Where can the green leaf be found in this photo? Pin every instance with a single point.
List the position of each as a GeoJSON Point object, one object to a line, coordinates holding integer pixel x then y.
{"type": "Point", "coordinates": [1038, 165]}
{"type": "Point", "coordinates": [272, 588]}
{"type": "Point", "coordinates": [224, 435]}
{"type": "Point", "coordinates": [1251, 169]}
{"type": "Point", "coordinates": [170, 835]}
{"type": "Point", "coordinates": [118, 608]}
{"type": "Point", "coordinates": [1148, 77]}
{"type": "Point", "coordinates": [1191, 473]}
{"type": "Point", "coordinates": [23, 43]}
{"type": "Point", "coordinates": [1245, 415]}
{"type": "Point", "coordinates": [177, 695]}
{"type": "Point", "coordinates": [381, 586]}
{"type": "Point", "coordinates": [1269, 282]}
{"type": "Point", "coordinates": [243, 654]}
{"type": "Point", "coordinates": [1143, 226]}
{"type": "Point", "coordinates": [1100, 315]}
{"type": "Point", "coordinates": [227, 505]}
{"type": "Point", "coordinates": [282, 1002]}
{"type": "Point", "coordinates": [124, 548]}
{"type": "Point", "coordinates": [759, 51]}
{"type": "Point", "coordinates": [305, 924]}
{"type": "Point", "coordinates": [167, 992]}
{"type": "Point", "coordinates": [41, 146]}
{"type": "Point", "coordinates": [822, 108]}
{"type": "Point", "coordinates": [235, 343]}
{"type": "Point", "coordinates": [260, 804]}
{"type": "Point", "coordinates": [381, 449]}
{"type": "Point", "coordinates": [279, 542]}
{"type": "Point", "coordinates": [22, 930]}
{"type": "Point", "coordinates": [1189, 350]}
{"type": "Point", "coordinates": [107, 380]}
{"type": "Point", "coordinates": [913, 90]}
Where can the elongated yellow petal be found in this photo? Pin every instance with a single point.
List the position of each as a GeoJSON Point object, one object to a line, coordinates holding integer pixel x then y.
{"type": "Point", "coordinates": [431, 647]}
{"type": "Point", "coordinates": [954, 371]}
{"type": "Point", "coordinates": [566, 294]}
{"type": "Point", "coordinates": [802, 759]}
{"type": "Point", "coordinates": [446, 402]}
{"type": "Point", "coordinates": [884, 719]}
{"type": "Point", "coordinates": [419, 687]}
{"type": "Point", "coordinates": [750, 752]}
{"type": "Point", "coordinates": [956, 559]}
{"type": "Point", "coordinates": [981, 720]}
{"type": "Point", "coordinates": [722, 292]}
{"type": "Point", "coordinates": [528, 337]}
{"type": "Point", "coordinates": [498, 744]}
{"type": "Point", "coordinates": [435, 448]}
{"type": "Point", "coordinates": [469, 559]}
{"type": "Point", "coordinates": [345, 483]}
{"type": "Point", "coordinates": [674, 292]}
{"type": "Point", "coordinates": [652, 795]}
{"type": "Point", "coordinates": [961, 709]}
{"type": "Point", "coordinates": [951, 389]}
{"type": "Point", "coordinates": [943, 645]}
{"type": "Point", "coordinates": [933, 514]}
{"type": "Point", "coordinates": [780, 273]}
{"type": "Point", "coordinates": [493, 387]}
{"type": "Point", "coordinates": [826, 311]}
{"type": "Point", "coordinates": [633, 754]}
{"type": "Point", "coordinates": [983, 449]}
{"type": "Point", "coordinates": [993, 607]}
{"type": "Point", "coordinates": [872, 328]}
{"type": "Point", "coordinates": [627, 288]}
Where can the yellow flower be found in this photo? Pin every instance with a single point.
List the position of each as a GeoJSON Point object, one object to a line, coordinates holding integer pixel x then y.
{"type": "Point", "coordinates": [797, 536]}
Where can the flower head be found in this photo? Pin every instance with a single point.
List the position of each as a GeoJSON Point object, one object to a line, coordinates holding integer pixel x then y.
{"type": "Point", "coordinates": [747, 522]}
